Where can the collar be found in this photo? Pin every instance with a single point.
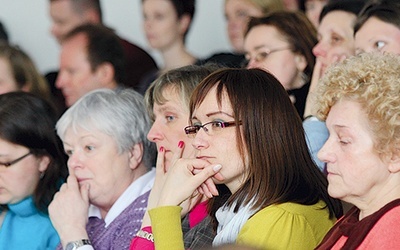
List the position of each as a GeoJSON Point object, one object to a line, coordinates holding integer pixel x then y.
{"type": "Point", "coordinates": [24, 208]}
{"type": "Point", "coordinates": [138, 187]}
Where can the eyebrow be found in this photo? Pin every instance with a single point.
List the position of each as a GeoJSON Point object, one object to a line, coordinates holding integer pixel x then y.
{"type": "Point", "coordinates": [166, 107]}
{"type": "Point", "coordinates": [215, 113]}
{"type": "Point", "coordinates": [260, 47]}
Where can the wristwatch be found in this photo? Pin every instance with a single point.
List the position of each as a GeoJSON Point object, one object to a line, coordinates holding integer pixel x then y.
{"type": "Point", "coordinates": [73, 245]}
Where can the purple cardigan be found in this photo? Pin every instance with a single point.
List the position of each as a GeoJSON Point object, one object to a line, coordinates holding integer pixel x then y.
{"type": "Point", "coordinates": [119, 233]}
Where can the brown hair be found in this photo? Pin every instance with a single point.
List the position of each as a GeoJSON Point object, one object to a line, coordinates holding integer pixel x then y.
{"type": "Point", "coordinates": [278, 164]}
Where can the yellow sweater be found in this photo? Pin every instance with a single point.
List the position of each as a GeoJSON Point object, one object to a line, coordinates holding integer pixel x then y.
{"type": "Point", "coordinates": [283, 226]}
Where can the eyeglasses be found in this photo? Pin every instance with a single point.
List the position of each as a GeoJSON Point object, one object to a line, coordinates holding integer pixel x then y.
{"type": "Point", "coordinates": [260, 57]}
{"type": "Point", "coordinates": [7, 164]}
{"type": "Point", "coordinates": [211, 128]}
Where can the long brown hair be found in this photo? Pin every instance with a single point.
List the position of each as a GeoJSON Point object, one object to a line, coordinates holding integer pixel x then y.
{"type": "Point", "coordinates": [278, 165]}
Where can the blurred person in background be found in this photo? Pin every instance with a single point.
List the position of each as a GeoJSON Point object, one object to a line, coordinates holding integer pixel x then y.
{"type": "Point", "coordinates": [335, 43]}
{"type": "Point", "coordinates": [281, 43]}
{"type": "Point", "coordinates": [19, 73]}
{"type": "Point", "coordinates": [91, 58]}
{"type": "Point", "coordinates": [68, 14]}
{"type": "Point", "coordinates": [166, 24]}
{"type": "Point", "coordinates": [238, 14]}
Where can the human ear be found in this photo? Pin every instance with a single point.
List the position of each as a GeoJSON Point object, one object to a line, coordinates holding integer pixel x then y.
{"type": "Point", "coordinates": [184, 23]}
{"type": "Point", "coordinates": [136, 155]}
{"type": "Point", "coordinates": [301, 62]}
{"type": "Point", "coordinates": [394, 161]}
{"type": "Point", "coordinates": [105, 73]}
{"type": "Point", "coordinates": [44, 162]}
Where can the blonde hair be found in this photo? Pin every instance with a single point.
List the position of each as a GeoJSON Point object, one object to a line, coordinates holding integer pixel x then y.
{"type": "Point", "coordinates": [268, 6]}
{"type": "Point", "coordinates": [24, 71]}
{"type": "Point", "coordinates": [372, 80]}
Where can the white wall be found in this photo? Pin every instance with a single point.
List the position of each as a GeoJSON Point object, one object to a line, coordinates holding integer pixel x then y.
{"type": "Point", "coordinates": [28, 24]}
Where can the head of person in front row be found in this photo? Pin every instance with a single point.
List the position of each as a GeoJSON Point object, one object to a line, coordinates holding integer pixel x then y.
{"type": "Point", "coordinates": [360, 102]}
{"type": "Point", "coordinates": [91, 58]}
{"type": "Point", "coordinates": [32, 168]}
{"type": "Point", "coordinates": [110, 161]}
{"type": "Point", "coordinates": [377, 27]}
{"type": "Point", "coordinates": [19, 73]}
{"type": "Point", "coordinates": [282, 43]}
{"type": "Point", "coordinates": [264, 162]}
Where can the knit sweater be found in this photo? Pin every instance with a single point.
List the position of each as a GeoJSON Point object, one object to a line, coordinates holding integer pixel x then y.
{"type": "Point", "coordinates": [24, 227]}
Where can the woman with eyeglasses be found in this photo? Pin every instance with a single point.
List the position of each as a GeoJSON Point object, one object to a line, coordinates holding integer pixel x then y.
{"type": "Point", "coordinates": [241, 139]}
{"type": "Point", "coordinates": [32, 167]}
{"type": "Point", "coordinates": [281, 43]}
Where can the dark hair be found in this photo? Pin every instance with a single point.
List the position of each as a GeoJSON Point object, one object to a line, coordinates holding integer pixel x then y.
{"type": "Point", "coordinates": [80, 6]}
{"type": "Point", "coordinates": [385, 10]}
{"type": "Point", "coordinates": [273, 145]}
{"type": "Point", "coordinates": [103, 45]}
{"type": "Point", "coordinates": [299, 32]}
{"type": "Point", "coordinates": [184, 7]}
{"type": "Point", "coordinates": [29, 121]}
{"type": "Point", "coordinates": [351, 6]}
{"type": "Point", "coordinates": [3, 33]}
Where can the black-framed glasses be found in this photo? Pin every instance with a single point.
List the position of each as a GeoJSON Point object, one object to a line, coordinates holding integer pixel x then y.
{"type": "Point", "coordinates": [261, 56]}
{"type": "Point", "coordinates": [211, 128]}
{"type": "Point", "coordinates": [7, 164]}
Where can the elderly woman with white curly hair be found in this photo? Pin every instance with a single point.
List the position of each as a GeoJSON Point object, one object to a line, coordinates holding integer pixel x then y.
{"type": "Point", "coordinates": [110, 165]}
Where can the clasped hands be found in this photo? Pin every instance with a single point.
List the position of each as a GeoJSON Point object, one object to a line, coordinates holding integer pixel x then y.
{"type": "Point", "coordinates": [185, 183]}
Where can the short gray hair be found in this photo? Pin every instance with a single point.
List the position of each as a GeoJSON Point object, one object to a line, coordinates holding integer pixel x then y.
{"type": "Point", "coordinates": [119, 113]}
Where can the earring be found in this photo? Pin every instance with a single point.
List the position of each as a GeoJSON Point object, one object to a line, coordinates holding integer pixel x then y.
{"type": "Point", "coordinates": [41, 175]}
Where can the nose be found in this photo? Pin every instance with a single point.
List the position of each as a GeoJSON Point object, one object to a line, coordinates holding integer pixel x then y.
{"type": "Point", "coordinates": [326, 154]}
{"type": "Point", "coordinates": [252, 64]}
{"type": "Point", "coordinates": [74, 161]}
{"type": "Point", "coordinates": [200, 141]}
{"type": "Point", "coordinates": [319, 50]}
{"type": "Point", "coordinates": [61, 79]}
{"type": "Point", "coordinates": [155, 133]}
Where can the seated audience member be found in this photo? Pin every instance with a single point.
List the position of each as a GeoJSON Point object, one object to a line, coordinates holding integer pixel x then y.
{"type": "Point", "coordinates": [168, 34]}
{"type": "Point", "coordinates": [68, 14]}
{"type": "Point", "coordinates": [238, 14]}
{"type": "Point", "coordinates": [378, 27]}
{"type": "Point", "coordinates": [3, 33]}
{"type": "Point", "coordinates": [110, 176]}
{"type": "Point", "coordinates": [167, 101]}
{"type": "Point", "coordinates": [279, 198]}
{"type": "Point", "coordinates": [32, 168]}
{"type": "Point", "coordinates": [91, 58]}
{"type": "Point", "coordinates": [359, 101]}
{"type": "Point", "coordinates": [19, 73]}
{"type": "Point", "coordinates": [336, 42]}
{"type": "Point", "coordinates": [281, 43]}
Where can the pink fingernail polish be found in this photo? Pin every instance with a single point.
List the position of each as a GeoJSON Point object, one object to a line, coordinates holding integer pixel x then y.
{"type": "Point", "coordinates": [180, 144]}
{"type": "Point", "coordinates": [161, 149]}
